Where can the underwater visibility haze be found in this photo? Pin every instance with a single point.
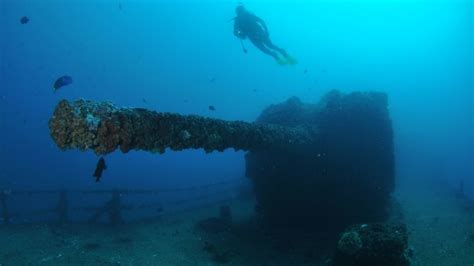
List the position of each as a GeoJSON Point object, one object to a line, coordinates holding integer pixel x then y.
{"type": "Point", "coordinates": [260, 132]}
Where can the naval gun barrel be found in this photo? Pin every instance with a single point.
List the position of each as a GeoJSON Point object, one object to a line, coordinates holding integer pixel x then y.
{"type": "Point", "coordinates": [103, 128]}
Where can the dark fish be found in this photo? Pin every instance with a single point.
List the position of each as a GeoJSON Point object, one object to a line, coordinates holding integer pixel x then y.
{"type": "Point", "coordinates": [212, 79]}
{"type": "Point", "coordinates": [61, 82]}
{"type": "Point", "coordinates": [305, 71]}
{"type": "Point", "coordinates": [120, 6]}
{"type": "Point", "coordinates": [24, 20]}
{"type": "Point", "coordinates": [212, 108]}
{"type": "Point", "coordinates": [99, 169]}
{"type": "Point", "coordinates": [254, 90]}
{"type": "Point", "coordinates": [159, 209]}
{"type": "Point", "coordinates": [324, 71]}
{"type": "Point", "coordinates": [144, 100]}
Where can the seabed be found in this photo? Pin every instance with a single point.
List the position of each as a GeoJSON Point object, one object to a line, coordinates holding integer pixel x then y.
{"type": "Point", "coordinates": [440, 232]}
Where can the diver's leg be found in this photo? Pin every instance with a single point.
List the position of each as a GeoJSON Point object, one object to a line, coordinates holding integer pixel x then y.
{"type": "Point", "coordinates": [258, 43]}
{"type": "Point", "coordinates": [270, 45]}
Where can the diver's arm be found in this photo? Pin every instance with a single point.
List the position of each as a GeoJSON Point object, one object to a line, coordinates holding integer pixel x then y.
{"type": "Point", "coordinates": [237, 32]}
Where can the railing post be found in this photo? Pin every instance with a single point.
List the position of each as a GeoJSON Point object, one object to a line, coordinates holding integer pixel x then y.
{"type": "Point", "coordinates": [3, 202]}
{"type": "Point", "coordinates": [115, 208]}
{"type": "Point", "coordinates": [63, 207]}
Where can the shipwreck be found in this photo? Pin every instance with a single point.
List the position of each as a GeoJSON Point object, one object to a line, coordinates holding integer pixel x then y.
{"type": "Point", "coordinates": [326, 165]}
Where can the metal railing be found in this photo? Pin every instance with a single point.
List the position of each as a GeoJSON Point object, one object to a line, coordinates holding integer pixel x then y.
{"type": "Point", "coordinates": [112, 209]}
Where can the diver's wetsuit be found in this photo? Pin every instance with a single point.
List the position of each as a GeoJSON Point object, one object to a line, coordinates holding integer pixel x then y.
{"type": "Point", "coordinates": [248, 25]}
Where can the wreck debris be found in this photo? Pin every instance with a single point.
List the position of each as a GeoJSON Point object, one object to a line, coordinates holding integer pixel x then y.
{"type": "Point", "coordinates": [373, 244]}
{"type": "Point", "coordinates": [216, 225]}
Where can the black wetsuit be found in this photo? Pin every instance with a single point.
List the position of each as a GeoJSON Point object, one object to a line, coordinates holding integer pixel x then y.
{"type": "Point", "coordinates": [247, 25]}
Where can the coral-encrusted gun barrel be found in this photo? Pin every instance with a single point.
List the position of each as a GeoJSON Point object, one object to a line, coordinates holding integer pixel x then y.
{"type": "Point", "coordinates": [103, 127]}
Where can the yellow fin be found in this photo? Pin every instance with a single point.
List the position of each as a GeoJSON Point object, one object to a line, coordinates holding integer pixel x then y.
{"type": "Point", "coordinates": [281, 61]}
{"type": "Point", "coordinates": [291, 60]}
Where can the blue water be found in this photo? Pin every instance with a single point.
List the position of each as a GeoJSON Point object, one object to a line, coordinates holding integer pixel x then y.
{"type": "Point", "coordinates": [181, 56]}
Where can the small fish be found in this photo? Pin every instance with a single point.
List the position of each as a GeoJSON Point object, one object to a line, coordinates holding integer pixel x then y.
{"type": "Point", "coordinates": [254, 90]}
{"type": "Point", "coordinates": [144, 100]}
{"type": "Point", "coordinates": [212, 79]}
{"type": "Point", "coordinates": [99, 169]}
{"type": "Point", "coordinates": [24, 20]}
{"type": "Point", "coordinates": [324, 71]}
{"type": "Point", "coordinates": [61, 82]}
{"type": "Point", "coordinates": [305, 71]}
{"type": "Point", "coordinates": [120, 5]}
{"type": "Point", "coordinates": [159, 209]}
{"type": "Point", "coordinates": [212, 108]}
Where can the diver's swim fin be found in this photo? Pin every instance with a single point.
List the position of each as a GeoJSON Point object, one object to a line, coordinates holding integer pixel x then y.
{"type": "Point", "coordinates": [290, 60]}
{"type": "Point", "coordinates": [281, 61]}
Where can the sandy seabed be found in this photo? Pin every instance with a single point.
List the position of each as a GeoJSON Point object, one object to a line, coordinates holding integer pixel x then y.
{"type": "Point", "coordinates": [440, 232]}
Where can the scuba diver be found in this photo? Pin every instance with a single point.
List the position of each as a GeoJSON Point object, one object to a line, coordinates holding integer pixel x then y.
{"type": "Point", "coordinates": [247, 25]}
